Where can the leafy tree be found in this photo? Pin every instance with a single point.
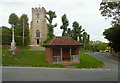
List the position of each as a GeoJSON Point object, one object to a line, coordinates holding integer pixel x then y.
{"type": "Point", "coordinates": [69, 32]}
{"type": "Point", "coordinates": [18, 26]}
{"type": "Point", "coordinates": [24, 23]}
{"type": "Point", "coordinates": [6, 35]}
{"type": "Point", "coordinates": [103, 46]}
{"type": "Point", "coordinates": [6, 30]}
{"type": "Point", "coordinates": [98, 45]}
{"type": "Point", "coordinates": [64, 25]}
{"type": "Point", "coordinates": [50, 15]}
{"type": "Point", "coordinates": [113, 35]}
{"type": "Point", "coordinates": [77, 31]}
{"type": "Point", "coordinates": [86, 40]}
{"type": "Point", "coordinates": [13, 19]}
{"type": "Point", "coordinates": [94, 46]}
{"type": "Point", "coordinates": [111, 9]}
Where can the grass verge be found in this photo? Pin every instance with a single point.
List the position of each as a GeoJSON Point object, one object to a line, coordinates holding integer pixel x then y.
{"type": "Point", "coordinates": [87, 61]}
{"type": "Point", "coordinates": [27, 58]}
{"type": "Point", "coordinates": [37, 59]}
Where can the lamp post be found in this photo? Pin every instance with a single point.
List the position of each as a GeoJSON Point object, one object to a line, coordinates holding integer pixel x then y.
{"type": "Point", "coordinates": [13, 45]}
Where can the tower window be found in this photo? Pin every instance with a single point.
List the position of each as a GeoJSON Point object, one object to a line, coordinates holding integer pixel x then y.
{"type": "Point", "coordinates": [37, 33]}
{"type": "Point", "coordinates": [37, 15]}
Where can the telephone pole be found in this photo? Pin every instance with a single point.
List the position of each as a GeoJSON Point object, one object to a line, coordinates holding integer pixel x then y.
{"type": "Point", "coordinates": [23, 31]}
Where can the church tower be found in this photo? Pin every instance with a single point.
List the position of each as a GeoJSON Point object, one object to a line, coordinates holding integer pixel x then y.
{"type": "Point", "coordinates": [38, 28]}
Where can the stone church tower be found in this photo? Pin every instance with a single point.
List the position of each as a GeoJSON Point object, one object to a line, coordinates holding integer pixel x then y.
{"type": "Point", "coordinates": [38, 28]}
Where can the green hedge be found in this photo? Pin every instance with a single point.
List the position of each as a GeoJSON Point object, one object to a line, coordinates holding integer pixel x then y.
{"type": "Point", "coordinates": [19, 40]}
{"type": "Point", "coordinates": [6, 40]}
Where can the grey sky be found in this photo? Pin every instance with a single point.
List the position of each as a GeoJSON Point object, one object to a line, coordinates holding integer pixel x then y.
{"type": "Point", "coordinates": [85, 12]}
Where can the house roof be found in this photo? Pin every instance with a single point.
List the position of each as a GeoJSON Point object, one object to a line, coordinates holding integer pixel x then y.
{"type": "Point", "coordinates": [61, 41]}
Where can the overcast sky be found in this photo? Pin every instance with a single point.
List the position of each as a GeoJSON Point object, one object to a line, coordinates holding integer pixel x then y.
{"type": "Point", "coordinates": [85, 12]}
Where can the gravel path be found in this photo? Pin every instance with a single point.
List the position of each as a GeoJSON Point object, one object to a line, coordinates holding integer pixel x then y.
{"type": "Point", "coordinates": [37, 48]}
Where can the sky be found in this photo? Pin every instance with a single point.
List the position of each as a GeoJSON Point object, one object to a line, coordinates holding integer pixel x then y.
{"type": "Point", "coordinates": [83, 11]}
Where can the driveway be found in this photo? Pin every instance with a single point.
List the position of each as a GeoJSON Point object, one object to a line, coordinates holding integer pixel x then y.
{"type": "Point", "coordinates": [108, 73]}
{"type": "Point", "coordinates": [36, 48]}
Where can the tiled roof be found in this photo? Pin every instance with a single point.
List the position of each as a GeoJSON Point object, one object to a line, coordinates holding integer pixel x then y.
{"type": "Point", "coordinates": [62, 41]}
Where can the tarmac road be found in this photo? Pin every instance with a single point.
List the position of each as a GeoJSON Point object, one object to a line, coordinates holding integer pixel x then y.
{"type": "Point", "coordinates": [108, 73]}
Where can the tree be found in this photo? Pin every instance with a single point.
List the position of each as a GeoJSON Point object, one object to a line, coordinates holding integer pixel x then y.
{"type": "Point", "coordinates": [13, 19]}
{"type": "Point", "coordinates": [64, 25]}
{"type": "Point", "coordinates": [24, 23]}
{"type": "Point", "coordinates": [69, 32]}
{"type": "Point", "coordinates": [86, 39]}
{"type": "Point", "coordinates": [111, 9]}
{"type": "Point", "coordinates": [6, 35]}
{"type": "Point", "coordinates": [18, 26]}
{"type": "Point", "coordinates": [77, 31]}
{"type": "Point", "coordinates": [50, 15]}
{"type": "Point", "coordinates": [97, 46]}
{"type": "Point", "coordinates": [6, 30]}
{"type": "Point", "coordinates": [113, 35]}
{"type": "Point", "coordinates": [103, 46]}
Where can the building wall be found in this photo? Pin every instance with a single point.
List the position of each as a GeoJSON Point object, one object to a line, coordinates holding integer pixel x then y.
{"type": "Point", "coordinates": [38, 23]}
{"type": "Point", "coordinates": [56, 52]}
{"type": "Point", "coordinates": [65, 52]}
{"type": "Point", "coordinates": [75, 51]}
{"type": "Point", "coordinates": [48, 53]}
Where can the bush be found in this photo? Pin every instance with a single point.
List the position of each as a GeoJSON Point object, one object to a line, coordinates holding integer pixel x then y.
{"type": "Point", "coordinates": [19, 40]}
{"type": "Point", "coordinates": [7, 39]}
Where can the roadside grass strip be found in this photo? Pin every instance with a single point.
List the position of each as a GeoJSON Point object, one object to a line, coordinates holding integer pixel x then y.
{"type": "Point", "coordinates": [87, 61]}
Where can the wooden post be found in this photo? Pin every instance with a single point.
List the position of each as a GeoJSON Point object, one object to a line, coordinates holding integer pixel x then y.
{"type": "Point", "coordinates": [61, 53]}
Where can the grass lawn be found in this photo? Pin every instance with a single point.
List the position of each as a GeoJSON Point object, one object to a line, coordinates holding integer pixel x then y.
{"type": "Point", "coordinates": [37, 59]}
{"type": "Point", "coordinates": [87, 61]}
{"type": "Point", "coordinates": [27, 58]}
{"type": "Point", "coordinates": [7, 47]}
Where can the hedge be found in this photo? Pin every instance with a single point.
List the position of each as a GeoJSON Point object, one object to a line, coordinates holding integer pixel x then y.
{"type": "Point", "coordinates": [7, 39]}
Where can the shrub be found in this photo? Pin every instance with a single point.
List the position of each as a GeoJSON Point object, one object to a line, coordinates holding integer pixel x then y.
{"type": "Point", "coordinates": [7, 39]}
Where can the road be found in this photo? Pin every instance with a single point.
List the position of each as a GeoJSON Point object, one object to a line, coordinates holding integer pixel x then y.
{"type": "Point", "coordinates": [110, 63]}
{"type": "Point", "coordinates": [108, 73]}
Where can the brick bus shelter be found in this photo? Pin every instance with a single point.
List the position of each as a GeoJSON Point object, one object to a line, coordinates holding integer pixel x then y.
{"type": "Point", "coordinates": [61, 49]}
